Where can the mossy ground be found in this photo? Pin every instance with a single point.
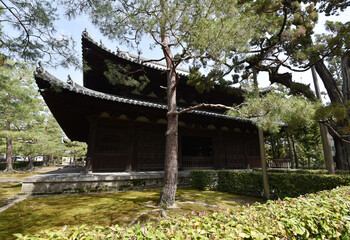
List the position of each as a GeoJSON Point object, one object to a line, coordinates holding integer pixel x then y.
{"type": "Point", "coordinates": [23, 174]}
{"type": "Point", "coordinates": [54, 212]}
{"type": "Point", "coordinates": [8, 190]}
{"type": "Point", "coordinates": [17, 175]}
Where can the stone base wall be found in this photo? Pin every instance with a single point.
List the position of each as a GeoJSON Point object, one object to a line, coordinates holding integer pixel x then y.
{"type": "Point", "coordinates": [75, 182]}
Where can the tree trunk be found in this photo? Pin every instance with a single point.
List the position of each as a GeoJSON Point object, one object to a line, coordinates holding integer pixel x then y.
{"type": "Point", "coordinates": [290, 151]}
{"type": "Point", "coordinates": [343, 158]}
{"type": "Point", "coordinates": [345, 68]}
{"type": "Point", "coordinates": [9, 161]}
{"type": "Point", "coordinates": [45, 160]}
{"type": "Point", "coordinates": [51, 160]}
{"type": "Point", "coordinates": [326, 142]}
{"type": "Point", "coordinates": [342, 155]}
{"type": "Point", "coordinates": [167, 198]}
{"type": "Point", "coordinates": [262, 145]}
{"type": "Point", "coordinates": [30, 164]}
{"type": "Point", "coordinates": [263, 163]}
{"type": "Point", "coordinates": [330, 84]}
{"type": "Point", "coordinates": [295, 153]}
{"type": "Point", "coordinates": [342, 152]}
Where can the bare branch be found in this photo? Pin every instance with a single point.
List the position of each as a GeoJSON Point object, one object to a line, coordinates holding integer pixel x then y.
{"type": "Point", "coordinates": [152, 60]}
{"type": "Point", "coordinates": [202, 105]}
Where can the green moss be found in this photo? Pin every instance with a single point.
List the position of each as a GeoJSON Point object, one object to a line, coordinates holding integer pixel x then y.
{"type": "Point", "coordinates": [8, 190]}
{"type": "Point", "coordinates": [17, 175]}
{"type": "Point", "coordinates": [23, 174]}
{"type": "Point", "coordinates": [317, 216]}
{"type": "Point", "coordinates": [54, 212]}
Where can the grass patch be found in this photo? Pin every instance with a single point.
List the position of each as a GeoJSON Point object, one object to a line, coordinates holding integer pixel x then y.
{"type": "Point", "coordinates": [54, 212]}
{"type": "Point", "coordinates": [8, 190]}
{"type": "Point", "coordinates": [23, 174]}
{"type": "Point", "coordinates": [17, 175]}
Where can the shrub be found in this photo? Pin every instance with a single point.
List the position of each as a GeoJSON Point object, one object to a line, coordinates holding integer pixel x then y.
{"type": "Point", "coordinates": [324, 215]}
{"type": "Point", "coordinates": [281, 185]}
{"type": "Point", "coordinates": [202, 179]}
{"type": "Point", "coordinates": [301, 171]}
{"type": "Point", "coordinates": [19, 165]}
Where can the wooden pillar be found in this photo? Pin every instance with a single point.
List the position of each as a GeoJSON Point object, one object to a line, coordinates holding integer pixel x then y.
{"type": "Point", "coordinates": [91, 144]}
{"type": "Point", "coordinates": [131, 147]}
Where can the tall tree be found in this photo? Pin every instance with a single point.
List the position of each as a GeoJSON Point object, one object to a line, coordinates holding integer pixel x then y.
{"type": "Point", "coordinates": [324, 52]}
{"type": "Point", "coordinates": [19, 104]}
{"type": "Point", "coordinates": [195, 29]}
{"type": "Point", "coordinates": [290, 41]}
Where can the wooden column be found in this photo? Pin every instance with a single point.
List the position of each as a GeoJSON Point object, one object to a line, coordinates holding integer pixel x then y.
{"type": "Point", "coordinates": [131, 141]}
{"type": "Point", "coordinates": [91, 144]}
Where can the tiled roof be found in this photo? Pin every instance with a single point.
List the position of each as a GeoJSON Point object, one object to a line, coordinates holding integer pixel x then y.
{"type": "Point", "coordinates": [139, 59]}
{"type": "Point", "coordinates": [135, 58]}
{"type": "Point", "coordinates": [42, 74]}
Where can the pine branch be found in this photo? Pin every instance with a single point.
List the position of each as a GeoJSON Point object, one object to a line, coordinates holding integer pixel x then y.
{"type": "Point", "coordinates": [202, 105]}
{"type": "Point", "coordinates": [20, 22]}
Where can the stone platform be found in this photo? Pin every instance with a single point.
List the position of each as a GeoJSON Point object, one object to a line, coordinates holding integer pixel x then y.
{"type": "Point", "coordinates": [74, 180]}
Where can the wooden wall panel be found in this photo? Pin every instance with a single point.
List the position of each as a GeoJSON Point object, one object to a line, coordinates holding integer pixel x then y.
{"type": "Point", "coordinates": [234, 151]}
{"type": "Point", "coordinates": [219, 152]}
{"type": "Point", "coordinates": [150, 148]}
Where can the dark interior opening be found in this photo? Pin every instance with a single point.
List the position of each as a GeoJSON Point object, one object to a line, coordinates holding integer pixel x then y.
{"type": "Point", "coordinates": [196, 146]}
{"type": "Point", "coordinates": [197, 152]}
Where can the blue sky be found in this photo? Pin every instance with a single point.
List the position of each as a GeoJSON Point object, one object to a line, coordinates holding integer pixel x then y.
{"type": "Point", "coordinates": [76, 26]}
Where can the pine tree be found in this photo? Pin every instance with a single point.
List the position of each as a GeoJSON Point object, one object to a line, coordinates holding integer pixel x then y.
{"type": "Point", "coordinates": [195, 29]}
{"type": "Point", "coordinates": [19, 104]}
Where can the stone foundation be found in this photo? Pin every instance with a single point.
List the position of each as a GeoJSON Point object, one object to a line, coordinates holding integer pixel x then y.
{"type": "Point", "coordinates": [78, 182]}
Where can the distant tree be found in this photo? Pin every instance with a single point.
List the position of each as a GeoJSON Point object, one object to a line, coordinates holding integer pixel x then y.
{"type": "Point", "coordinates": [76, 150]}
{"type": "Point", "coordinates": [309, 147]}
{"type": "Point", "coordinates": [28, 32]}
{"type": "Point", "coordinates": [52, 138]}
{"type": "Point", "coordinates": [19, 104]}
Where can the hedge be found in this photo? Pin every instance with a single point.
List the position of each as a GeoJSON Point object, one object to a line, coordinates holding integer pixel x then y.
{"type": "Point", "coordinates": [301, 171]}
{"type": "Point", "coordinates": [324, 215]}
{"type": "Point", "coordinates": [203, 180]}
{"type": "Point", "coordinates": [19, 165]}
{"type": "Point", "coordinates": [281, 185]}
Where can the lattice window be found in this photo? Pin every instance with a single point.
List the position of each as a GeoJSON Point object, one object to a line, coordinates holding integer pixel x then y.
{"type": "Point", "coordinates": [110, 143]}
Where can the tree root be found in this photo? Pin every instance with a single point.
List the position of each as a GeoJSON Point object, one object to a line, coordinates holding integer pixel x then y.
{"type": "Point", "coordinates": [164, 215]}
{"type": "Point", "coordinates": [144, 206]}
{"type": "Point", "coordinates": [162, 210]}
{"type": "Point", "coordinates": [144, 213]}
{"type": "Point", "coordinates": [9, 171]}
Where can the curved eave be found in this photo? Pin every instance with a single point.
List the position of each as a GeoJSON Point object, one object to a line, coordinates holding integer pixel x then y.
{"type": "Point", "coordinates": [134, 58]}
{"type": "Point", "coordinates": [145, 61]}
{"type": "Point", "coordinates": [53, 81]}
